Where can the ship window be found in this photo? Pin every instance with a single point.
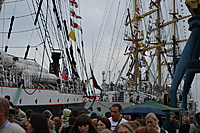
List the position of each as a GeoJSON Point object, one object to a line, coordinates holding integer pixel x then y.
{"type": "Point", "coordinates": [58, 100]}
{"type": "Point", "coordinates": [36, 101]}
{"type": "Point", "coordinates": [20, 101]}
{"type": "Point", "coordinates": [74, 99]}
{"type": "Point", "coordinates": [67, 99]}
{"type": "Point", "coordinates": [50, 100]}
{"type": "Point", "coordinates": [77, 99]}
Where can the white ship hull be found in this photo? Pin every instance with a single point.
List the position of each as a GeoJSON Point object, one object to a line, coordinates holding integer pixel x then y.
{"type": "Point", "coordinates": [43, 98]}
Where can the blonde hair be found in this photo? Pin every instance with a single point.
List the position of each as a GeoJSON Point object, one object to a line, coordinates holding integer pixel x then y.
{"type": "Point", "coordinates": [152, 115]}
{"type": "Point", "coordinates": [186, 120]}
{"type": "Point", "coordinates": [126, 125]}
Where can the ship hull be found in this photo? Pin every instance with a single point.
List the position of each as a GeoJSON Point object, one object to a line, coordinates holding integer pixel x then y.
{"type": "Point", "coordinates": [41, 99]}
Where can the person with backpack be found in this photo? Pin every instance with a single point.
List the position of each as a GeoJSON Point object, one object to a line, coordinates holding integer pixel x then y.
{"type": "Point", "coordinates": [195, 127]}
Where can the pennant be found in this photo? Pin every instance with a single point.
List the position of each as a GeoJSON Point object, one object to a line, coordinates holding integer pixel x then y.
{"type": "Point", "coordinates": [133, 41]}
{"type": "Point", "coordinates": [137, 11]}
{"type": "Point", "coordinates": [73, 14]}
{"type": "Point", "coordinates": [72, 35]}
{"type": "Point", "coordinates": [75, 25]}
{"type": "Point", "coordinates": [73, 3]}
{"type": "Point", "coordinates": [65, 73]}
{"type": "Point", "coordinates": [130, 48]}
{"type": "Point", "coordinates": [143, 62]}
{"type": "Point", "coordinates": [95, 85]}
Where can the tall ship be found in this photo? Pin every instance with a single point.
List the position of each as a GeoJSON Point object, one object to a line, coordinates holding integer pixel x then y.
{"type": "Point", "coordinates": [151, 34]}
{"type": "Point", "coordinates": [42, 59]}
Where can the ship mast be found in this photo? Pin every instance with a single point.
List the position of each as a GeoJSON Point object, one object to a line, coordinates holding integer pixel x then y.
{"type": "Point", "coordinates": [158, 48]}
{"type": "Point", "coordinates": [134, 39]}
{"type": "Point", "coordinates": [136, 68]}
{"type": "Point", "coordinates": [174, 36]}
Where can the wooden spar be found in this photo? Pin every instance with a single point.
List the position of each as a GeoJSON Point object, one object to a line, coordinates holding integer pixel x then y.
{"type": "Point", "coordinates": [141, 16]}
{"type": "Point", "coordinates": [168, 50]}
{"type": "Point", "coordinates": [170, 22]}
{"type": "Point", "coordinates": [155, 46]}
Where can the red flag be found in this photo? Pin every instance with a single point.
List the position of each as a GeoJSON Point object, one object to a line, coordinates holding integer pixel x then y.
{"type": "Point", "coordinates": [75, 25]}
{"type": "Point", "coordinates": [73, 3]}
{"type": "Point", "coordinates": [72, 13]}
{"type": "Point", "coordinates": [95, 85]}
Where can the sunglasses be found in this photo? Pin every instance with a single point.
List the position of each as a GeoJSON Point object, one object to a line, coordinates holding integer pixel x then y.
{"type": "Point", "coordinates": [113, 111]}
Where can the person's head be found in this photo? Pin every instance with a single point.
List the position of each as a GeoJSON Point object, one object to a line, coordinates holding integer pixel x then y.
{"type": "Point", "coordinates": [142, 122]}
{"type": "Point", "coordinates": [7, 97]}
{"type": "Point", "coordinates": [175, 117]}
{"type": "Point", "coordinates": [16, 109]}
{"type": "Point", "coordinates": [75, 113]}
{"type": "Point", "coordinates": [4, 108]}
{"type": "Point", "coordinates": [108, 114]}
{"type": "Point", "coordinates": [57, 121]}
{"type": "Point", "coordinates": [83, 124]}
{"type": "Point", "coordinates": [37, 123]}
{"type": "Point", "coordinates": [151, 120]}
{"type": "Point", "coordinates": [103, 123]}
{"type": "Point", "coordinates": [11, 118]}
{"type": "Point", "coordinates": [186, 120]}
{"type": "Point", "coordinates": [72, 121]}
{"type": "Point", "coordinates": [124, 128]}
{"type": "Point", "coordinates": [145, 129]}
{"type": "Point", "coordinates": [135, 117]}
{"type": "Point", "coordinates": [134, 124]}
{"type": "Point", "coordinates": [171, 118]}
{"type": "Point", "coordinates": [106, 131]}
{"type": "Point", "coordinates": [197, 116]}
{"type": "Point", "coordinates": [116, 110]}
{"type": "Point", "coordinates": [28, 113]}
{"type": "Point", "coordinates": [47, 113]}
{"type": "Point", "coordinates": [93, 115]}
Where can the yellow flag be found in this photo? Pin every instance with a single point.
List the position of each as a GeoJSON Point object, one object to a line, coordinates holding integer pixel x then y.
{"type": "Point", "coordinates": [72, 35]}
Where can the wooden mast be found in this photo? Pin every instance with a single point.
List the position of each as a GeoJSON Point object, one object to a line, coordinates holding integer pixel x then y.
{"type": "Point", "coordinates": [134, 38]}
{"type": "Point", "coordinates": [158, 48]}
{"type": "Point", "coordinates": [136, 68]}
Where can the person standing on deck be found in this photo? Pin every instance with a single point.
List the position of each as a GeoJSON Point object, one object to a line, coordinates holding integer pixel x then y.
{"type": "Point", "coordinates": [116, 116]}
{"type": "Point", "coordinates": [5, 125]}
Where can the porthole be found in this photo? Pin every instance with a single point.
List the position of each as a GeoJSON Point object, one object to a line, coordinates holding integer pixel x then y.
{"type": "Point", "coordinates": [50, 100]}
{"type": "Point", "coordinates": [20, 101]}
{"type": "Point", "coordinates": [58, 100]}
{"type": "Point", "coordinates": [36, 101]}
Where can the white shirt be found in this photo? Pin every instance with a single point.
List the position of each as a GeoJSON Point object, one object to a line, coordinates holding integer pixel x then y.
{"type": "Point", "coordinates": [114, 124]}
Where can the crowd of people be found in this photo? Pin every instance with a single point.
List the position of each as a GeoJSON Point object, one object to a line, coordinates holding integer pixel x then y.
{"type": "Point", "coordinates": [74, 121]}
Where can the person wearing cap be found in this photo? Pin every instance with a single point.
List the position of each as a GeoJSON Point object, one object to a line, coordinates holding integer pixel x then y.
{"type": "Point", "coordinates": [195, 127]}
{"type": "Point", "coordinates": [65, 119]}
